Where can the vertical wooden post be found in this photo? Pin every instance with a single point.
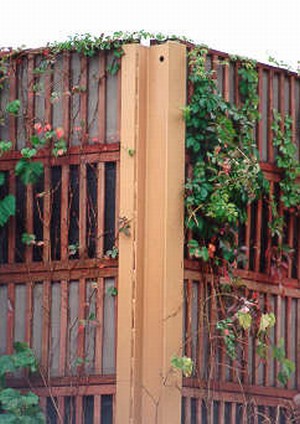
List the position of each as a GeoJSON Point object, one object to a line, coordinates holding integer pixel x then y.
{"type": "Point", "coordinates": [151, 258]}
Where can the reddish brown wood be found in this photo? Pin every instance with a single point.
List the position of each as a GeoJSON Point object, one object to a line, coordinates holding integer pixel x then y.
{"type": "Point", "coordinates": [81, 323]}
{"type": "Point", "coordinates": [30, 98]}
{"type": "Point", "coordinates": [12, 222]}
{"type": "Point", "coordinates": [46, 215]}
{"type": "Point", "coordinates": [298, 345]}
{"type": "Point", "coordinates": [97, 409]}
{"type": "Point", "coordinates": [29, 219]}
{"type": "Point", "coordinates": [46, 325]}
{"type": "Point", "coordinates": [66, 96]}
{"type": "Point", "coordinates": [79, 409]}
{"type": "Point", "coordinates": [257, 251]}
{"type": "Point", "coordinates": [188, 319]}
{"type": "Point", "coordinates": [270, 117]}
{"type": "Point", "coordinates": [226, 82]}
{"type": "Point", "coordinates": [83, 98]}
{"type": "Point", "coordinates": [99, 328]}
{"type": "Point", "coordinates": [12, 97]}
{"type": "Point", "coordinates": [248, 236]}
{"type": "Point", "coordinates": [64, 213]}
{"type": "Point", "coordinates": [259, 135]}
{"type": "Point", "coordinates": [82, 210]}
{"type": "Point", "coordinates": [102, 99]}
{"type": "Point", "coordinates": [63, 326]}
{"type": "Point", "coordinates": [10, 318]}
{"type": "Point", "coordinates": [187, 410]}
{"type": "Point", "coordinates": [29, 313]}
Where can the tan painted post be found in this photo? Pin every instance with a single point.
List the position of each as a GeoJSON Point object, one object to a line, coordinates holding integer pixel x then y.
{"type": "Point", "coordinates": [151, 259]}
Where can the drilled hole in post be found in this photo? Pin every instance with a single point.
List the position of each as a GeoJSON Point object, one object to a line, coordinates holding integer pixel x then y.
{"type": "Point", "coordinates": [161, 58]}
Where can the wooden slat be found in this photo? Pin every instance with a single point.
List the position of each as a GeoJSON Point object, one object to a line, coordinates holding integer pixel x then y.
{"type": "Point", "coordinates": [259, 135]}
{"type": "Point", "coordinates": [278, 312]}
{"type": "Point", "coordinates": [61, 409]}
{"type": "Point", "coordinates": [200, 317]}
{"type": "Point", "coordinates": [79, 410]}
{"type": "Point", "coordinates": [188, 319]}
{"type": "Point", "coordinates": [46, 324]}
{"type": "Point", "coordinates": [233, 413]}
{"type": "Point", "coordinates": [288, 327]}
{"type": "Point", "coordinates": [257, 251]}
{"type": "Point", "coordinates": [236, 84]}
{"type": "Point", "coordinates": [298, 345]}
{"type": "Point", "coordinates": [291, 231]}
{"type": "Point", "coordinates": [187, 410]}
{"type": "Point", "coordinates": [268, 359]}
{"type": "Point", "coordinates": [46, 215]}
{"type": "Point", "coordinates": [198, 411]}
{"type": "Point", "coordinates": [99, 328]}
{"type": "Point", "coordinates": [66, 96]}
{"type": "Point", "coordinates": [248, 237]}
{"type": "Point", "coordinates": [12, 97]}
{"type": "Point", "coordinates": [100, 208]}
{"type": "Point", "coordinates": [97, 409]}
{"type": "Point", "coordinates": [10, 318]}
{"type": "Point", "coordinates": [12, 222]}
{"type": "Point", "coordinates": [30, 99]}
{"type": "Point", "coordinates": [64, 213]}
{"type": "Point", "coordinates": [48, 104]}
{"type": "Point", "coordinates": [29, 220]}
{"type": "Point", "coordinates": [117, 200]}
{"type": "Point", "coordinates": [102, 99]}
{"type": "Point", "coordinates": [83, 98]}
{"type": "Point", "coordinates": [63, 326]}
{"type": "Point", "coordinates": [226, 82]}
{"type": "Point", "coordinates": [118, 106]}
{"type": "Point", "coordinates": [29, 313]}
{"type": "Point", "coordinates": [81, 318]}
{"type": "Point", "coordinates": [82, 210]}
{"type": "Point", "coordinates": [270, 116]}
{"type": "Point", "coordinates": [292, 108]}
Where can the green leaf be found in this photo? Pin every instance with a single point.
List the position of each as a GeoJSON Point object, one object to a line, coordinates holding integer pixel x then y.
{"type": "Point", "coordinates": [245, 320]}
{"type": "Point", "coordinates": [184, 364]}
{"type": "Point", "coordinates": [13, 107]}
{"type": "Point", "coordinates": [28, 171]}
{"type": "Point", "coordinates": [266, 321]}
{"type": "Point", "coordinates": [7, 208]}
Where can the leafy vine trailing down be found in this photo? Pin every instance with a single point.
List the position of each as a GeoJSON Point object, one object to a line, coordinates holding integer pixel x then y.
{"type": "Point", "coordinates": [226, 178]}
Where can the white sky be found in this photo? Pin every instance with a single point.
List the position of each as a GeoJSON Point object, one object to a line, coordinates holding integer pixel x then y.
{"type": "Point", "coordinates": [253, 28]}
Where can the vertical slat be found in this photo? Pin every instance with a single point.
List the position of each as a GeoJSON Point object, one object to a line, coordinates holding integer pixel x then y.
{"type": "Point", "coordinates": [278, 312]}
{"type": "Point", "coordinates": [100, 208]}
{"type": "Point", "coordinates": [12, 97]}
{"type": "Point", "coordinates": [29, 220]}
{"type": "Point", "coordinates": [30, 100]}
{"type": "Point", "coordinates": [66, 96]}
{"type": "Point", "coordinates": [257, 251]}
{"type": "Point", "coordinates": [82, 210]}
{"type": "Point", "coordinates": [12, 224]}
{"type": "Point", "coordinates": [10, 318]}
{"type": "Point", "coordinates": [99, 328]}
{"type": "Point", "coordinates": [63, 326]}
{"type": "Point", "coordinates": [248, 236]}
{"type": "Point", "coordinates": [117, 194]}
{"type": "Point", "coordinates": [79, 410]}
{"type": "Point", "coordinates": [281, 99]}
{"type": "Point", "coordinates": [266, 377]}
{"type": "Point", "coordinates": [270, 117]}
{"type": "Point", "coordinates": [47, 215]}
{"type": "Point", "coordinates": [233, 413]}
{"type": "Point", "coordinates": [221, 412]}
{"type": "Point", "coordinates": [226, 82]}
{"type": "Point", "coordinates": [269, 242]}
{"type": "Point", "coordinates": [46, 324]}
{"type": "Point", "coordinates": [260, 110]}
{"type": "Point", "coordinates": [81, 317]}
{"type": "Point", "coordinates": [61, 409]}
{"type": "Point", "coordinates": [29, 313]}
{"type": "Point", "coordinates": [291, 241]}
{"type": "Point", "coordinates": [83, 98]}
{"type": "Point", "coordinates": [298, 345]}
{"type": "Point", "coordinates": [292, 107]}
{"type": "Point", "coordinates": [187, 412]}
{"type": "Point", "coordinates": [102, 99]}
{"type": "Point", "coordinates": [118, 106]}
{"type": "Point", "coordinates": [236, 84]}
{"type": "Point", "coordinates": [188, 330]}
{"type": "Point", "coordinates": [198, 411]}
{"type": "Point", "coordinates": [200, 328]}
{"type": "Point", "coordinates": [97, 409]}
{"type": "Point", "coordinates": [48, 104]}
{"type": "Point", "coordinates": [43, 404]}
{"type": "Point", "coordinates": [64, 213]}
{"type": "Point", "coordinates": [288, 332]}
